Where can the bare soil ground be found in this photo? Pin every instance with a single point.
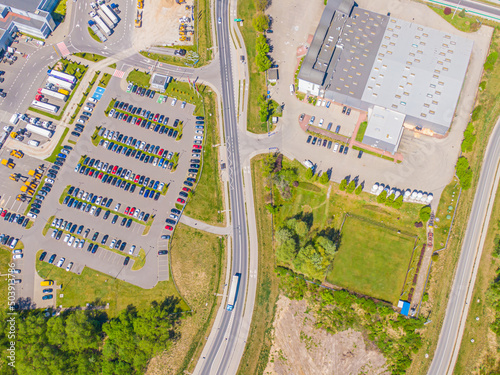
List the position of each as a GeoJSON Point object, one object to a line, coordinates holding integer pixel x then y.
{"type": "Point", "coordinates": [300, 348]}
{"type": "Point", "coordinates": [160, 23]}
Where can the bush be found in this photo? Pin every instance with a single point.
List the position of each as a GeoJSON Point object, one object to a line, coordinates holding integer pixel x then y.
{"type": "Point", "coordinates": [343, 184]}
{"type": "Point", "coordinates": [447, 11]}
{"type": "Point", "coordinates": [469, 138]}
{"type": "Point", "coordinates": [260, 23]}
{"type": "Point", "coordinates": [425, 213]}
{"type": "Point", "coordinates": [263, 62]}
{"type": "Point", "coordinates": [309, 173]}
{"type": "Point", "coordinates": [398, 202]}
{"type": "Point", "coordinates": [491, 60]}
{"type": "Point", "coordinates": [382, 197]}
{"type": "Point", "coordinates": [482, 86]}
{"type": "Point", "coordinates": [462, 13]}
{"type": "Point", "coordinates": [464, 172]}
{"type": "Point", "coordinates": [435, 257]}
{"type": "Point", "coordinates": [476, 112]}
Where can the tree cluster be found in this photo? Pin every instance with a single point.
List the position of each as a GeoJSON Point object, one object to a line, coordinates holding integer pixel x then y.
{"type": "Point", "coordinates": [262, 60]}
{"type": "Point", "coordinates": [396, 336]}
{"type": "Point", "coordinates": [267, 108]}
{"type": "Point", "coordinates": [351, 186]}
{"type": "Point", "coordinates": [260, 23]}
{"type": "Point", "coordinates": [308, 252]}
{"type": "Point", "coordinates": [469, 138]}
{"type": "Point", "coordinates": [281, 178]}
{"type": "Point", "coordinates": [464, 172]}
{"type": "Point", "coordinates": [86, 342]}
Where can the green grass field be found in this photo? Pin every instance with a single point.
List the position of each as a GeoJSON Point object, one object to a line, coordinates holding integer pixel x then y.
{"type": "Point", "coordinates": [97, 288]}
{"type": "Point", "coordinates": [372, 260]}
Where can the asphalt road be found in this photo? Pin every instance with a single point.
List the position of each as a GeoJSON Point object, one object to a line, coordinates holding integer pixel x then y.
{"type": "Point", "coordinates": [461, 293]}
{"type": "Point", "coordinates": [473, 7]}
{"type": "Point", "coordinates": [218, 354]}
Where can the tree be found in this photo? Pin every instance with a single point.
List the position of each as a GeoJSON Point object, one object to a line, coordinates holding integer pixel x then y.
{"type": "Point", "coordinates": [447, 11]}
{"type": "Point", "coordinates": [263, 62]}
{"type": "Point", "coordinates": [343, 184]}
{"type": "Point", "coordinates": [309, 173]}
{"type": "Point", "coordinates": [462, 13]}
{"type": "Point", "coordinates": [324, 179]}
{"type": "Point", "coordinates": [464, 172]}
{"type": "Point", "coordinates": [273, 210]}
{"type": "Point", "coordinates": [268, 164]}
{"type": "Point", "coordinates": [260, 23]}
{"type": "Point", "coordinates": [382, 197]}
{"type": "Point", "coordinates": [398, 202]}
{"type": "Point", "coordinates": [425, 213]}
{"type": "Point", "coordinates": [358, 190]}
{"type": "Point", "coordinates": [261, 5]}
{"type": "Point", "coordinates": [350, 188]}
{"type": "Point", "coordinates": [469, 138]}
{"type": "Point", "coordinates": [261, 45]}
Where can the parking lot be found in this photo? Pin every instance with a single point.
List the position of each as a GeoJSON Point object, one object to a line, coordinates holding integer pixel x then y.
{"type": "Point", "coordinates": [100, 210]}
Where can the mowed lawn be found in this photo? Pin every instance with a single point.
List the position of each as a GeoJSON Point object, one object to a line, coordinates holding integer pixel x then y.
{"type": "Point", "coordinates": [372, 260]}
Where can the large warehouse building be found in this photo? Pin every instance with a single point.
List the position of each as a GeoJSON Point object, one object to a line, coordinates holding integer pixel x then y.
{"type": "Point", "coordinates": [400, 72]}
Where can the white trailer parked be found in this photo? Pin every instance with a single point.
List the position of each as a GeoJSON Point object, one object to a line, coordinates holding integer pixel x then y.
{"type": "Point", "coordinates": [40, 131]}
{"type": "Point", "coordinates": [102, 25]}
{"type": "Point", "coordinates": [112, 16]}
{"type": "Point", "coordinates": [54, 94]}
{"type": "Point", "coordinates": [61, 75]}
{"type": "Point", "coordinates": [45, 106]}
{"type": "Point", "coordinates": [60, 83]}
{"type": "Point", "coordinates": [105, 18]}
{"type": "Point", "coordinates": [97, 32]}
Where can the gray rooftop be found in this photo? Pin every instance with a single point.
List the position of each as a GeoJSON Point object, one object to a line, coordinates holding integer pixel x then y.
{"type": "Point", "coordinates": [26, 5]}
{"type": "Point", "coordinates": [419, 71]}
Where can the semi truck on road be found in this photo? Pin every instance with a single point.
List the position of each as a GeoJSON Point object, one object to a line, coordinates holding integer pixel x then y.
{"type": "Point", "coordinates": [233, 292]}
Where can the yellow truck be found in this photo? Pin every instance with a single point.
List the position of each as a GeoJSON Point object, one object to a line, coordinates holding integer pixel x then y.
{"type": "Point", "coordinates": [14, 177]}
{"type": "Point", "coordinates": [38, 176]}
{"type": "Point", "coordinates": [21, 197]}
{"type": "Point", "coordinates": [17, 153]}
{"type": "Point", "coordinates": [8, 163]}
{"type": "Point", "coordinates": [13, 135]}
{"type": "Point", "coordinates": [140, 4]}
{"type": "Point", "coordinates": [63, 91]}
{"type": "Point", "coordinates": [47, 283]}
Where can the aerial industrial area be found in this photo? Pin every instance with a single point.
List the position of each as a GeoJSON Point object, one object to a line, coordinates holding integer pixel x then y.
{"type": "Point", "coordinates": [249, 187]}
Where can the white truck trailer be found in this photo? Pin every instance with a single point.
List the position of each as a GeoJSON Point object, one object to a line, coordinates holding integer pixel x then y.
{"type": "Point", "coordinates": [105, 18]}
{"type": "Point", "coordinates": [40, 131]}
{"type": "Point", "coordinates": [62, 76]}
{"type": "Point", "coordinates": [233, 292]}
{"type": "Point", "coordinates": [112, 16]}
{"type": "Point", "coordinates": [54, 94]}
{"type": "Point", "coordinates": [97, 31]}
{"type": "Point", "coordinates": [45, 106]}
{"type": "Point", "coordinates": [60, 83]}
{"type": "Point", "coordinates": [102, 25]}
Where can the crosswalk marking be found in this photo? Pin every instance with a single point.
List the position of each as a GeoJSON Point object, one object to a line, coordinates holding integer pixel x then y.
{"type": "Point", "coordinates": [62, 47]}
{"type": "Point", "coordinates": [119, 73]}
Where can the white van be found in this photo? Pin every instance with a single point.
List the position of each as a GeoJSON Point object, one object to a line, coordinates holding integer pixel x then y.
{"type": "Point", "coordinates": [32, 142]}
{"type": "Point", "coordinates": [15, 118]}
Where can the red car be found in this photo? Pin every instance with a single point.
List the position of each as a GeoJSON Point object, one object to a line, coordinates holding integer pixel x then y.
{"type": "Point", "coordinates": [197, 146]}
{"type": "Point", "coordinates": [125, 118]}
{"type": "Point", "coordinates": [180, 200]}
{"type": "Point", "coordinates": [187, 190]}
{"type": "Point", "coordinates": [91, 173]}
{"type": "Point", "coordinates": [4, 212]}
{"type": "Point", "coordinates": [127, 210]}
{"type": "Point", "coordinates": [100, 176]}
{"type": "Point", "coordinates": [156, 117]}
{"type": "Point", "coordinates": [136, 180]}
{"type": "Point", "coordinates": [169, 227]}
{"type": "Point", "coordinates": [160, 152]}
{"type": "Point", "coordinates": [132, 210]}
{"type": "Point", "coordinates": [114, 169]}
{"type": "Point", "coordinates": [138, 121]}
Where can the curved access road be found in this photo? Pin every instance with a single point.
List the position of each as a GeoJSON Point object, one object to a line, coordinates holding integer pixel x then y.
{"type": "Point", "coordinates": [463, 285]}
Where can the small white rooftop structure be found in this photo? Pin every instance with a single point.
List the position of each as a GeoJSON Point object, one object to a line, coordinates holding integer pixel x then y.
{"type": "Point", "coordinates": [160, 81]}
{"type": "Point", "coordinates": [384, 130]}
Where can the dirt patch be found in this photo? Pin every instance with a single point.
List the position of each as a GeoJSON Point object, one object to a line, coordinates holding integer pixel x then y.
{"type": "Point", "coordinates": [160, 23]}
{"type": "Point", "coordinates": [299, 348]}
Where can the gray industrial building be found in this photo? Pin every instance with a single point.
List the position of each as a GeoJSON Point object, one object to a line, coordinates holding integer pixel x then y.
{"type": "Point", "coordinates": [365, 60]}
{"type": "Point", "coordinates": [31, 17]}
